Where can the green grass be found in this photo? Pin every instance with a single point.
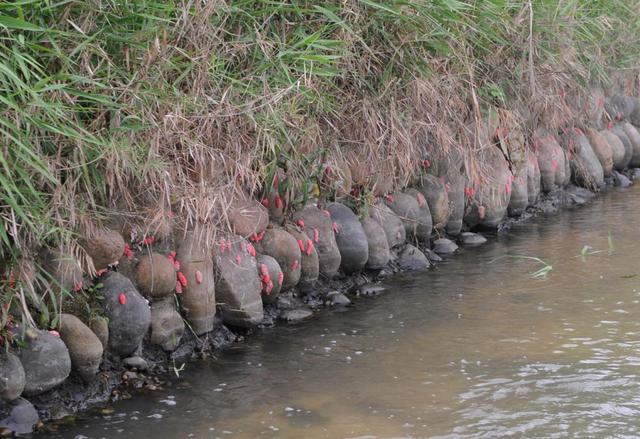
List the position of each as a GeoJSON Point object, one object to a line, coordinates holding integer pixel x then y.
{"type": "Point", "coordinates": [157, 108]}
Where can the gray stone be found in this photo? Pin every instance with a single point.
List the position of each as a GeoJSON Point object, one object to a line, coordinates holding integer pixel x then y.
{"type": "Point", "coordinates": [128, 313]}
{"type": "Point", "coordinates": [433, 257]}
{"type": "Point", "coordinates": [456, 204]}
{"type": "Point", "coordinates": [12, 377]}
{"type": "Point", "coordinates": [444, 246]}
{"type": "Point", "coordinates": [533, 178]}
{"type": "Point", "coordinates": [424, 225]}
{"type": "Point", "coordinates": [626, 142]}
{"type": "Point", "coordinates": [46, 362]}
{"type": "Point", "coordinates": [551, 160]}
{"type": "Point", "coordinates": [167, 326]}
{"type": "Point", "coordinates": [238, 287]}
{"type": "Point", "coordinates": [22, 418]}
{"type": "Point", "coordinates": [585, 165]}
{"type": "Point", "coordinates": [602, 150]}
{"type": "Point", "coordinates": [634, 137]}
{"type": "Point", "coordinates": [136, 362]}
{"type": "Point", "coordinates": [198, 297]}
{"type": "Point", "coordinates": [85, 348]}
{"type": "Point", "coordinates": [519, 199]}
{"type": "Point", "coordinates": [283, 247]}
{"type": "Point", "coordinates": [469, 238]}
{"type": "Point", "coordinates": [378, 245]}
{"type": "Point", "coordinates": [407, 209]}
{"type": "Point", "coordinates": [270, 284]}
{"type": "Point", "coordinates": [62, 271]}
{"type": "Point", "coordinates": [391, 224]}
{"type": "Point", "coordinates": [318, 226]}
{"type": "Point", "coordinates": [435, 192]}
{"type": "Point", "coordinates": [309, 261]}
{"type": "Point", "coordinates": [411, 258]}
{"type": "Point", "coordinates": [295, 315]}
{"type": "Point", "coordinates": [618, 150]}
{"type": "Point", "coordinates": [351, 239]}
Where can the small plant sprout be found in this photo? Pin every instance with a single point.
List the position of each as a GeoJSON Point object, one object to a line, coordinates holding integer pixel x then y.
{"type": "Point", "coordinates": [542, 273]}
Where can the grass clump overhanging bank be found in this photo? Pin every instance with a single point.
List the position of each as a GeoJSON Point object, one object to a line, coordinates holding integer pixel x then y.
{"type": "Point", "coordinates": [156, 118]}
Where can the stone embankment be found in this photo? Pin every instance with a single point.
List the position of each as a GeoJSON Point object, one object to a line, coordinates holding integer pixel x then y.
{"type": "Point", "coordinates": [158, 301]}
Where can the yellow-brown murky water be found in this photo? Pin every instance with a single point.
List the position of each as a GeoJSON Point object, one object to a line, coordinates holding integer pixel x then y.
{"type": "Point", "coordinates": [476, 348]}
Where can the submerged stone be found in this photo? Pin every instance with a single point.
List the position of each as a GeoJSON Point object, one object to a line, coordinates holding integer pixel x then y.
{"type": "Point", "coordinates": [351, 239]}
{"type": "Point", "coordinates": [469, 238]}
{"type": "Point", "coordinates": [444, 246]}
{"type": "Point", "coordinates": [46, 362]}
{"type": "Point", "coordinates": [295, 315]}
{"type": "Point", "coordinates": [85, 348]}
{"type": "Point", "coordinates": [412, 259]}
{"type": "Point", "coordinates": [128, 313]}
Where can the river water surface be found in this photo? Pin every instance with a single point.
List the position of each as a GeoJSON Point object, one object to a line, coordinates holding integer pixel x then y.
{"type": "Point", "coordinates": [476, 348]}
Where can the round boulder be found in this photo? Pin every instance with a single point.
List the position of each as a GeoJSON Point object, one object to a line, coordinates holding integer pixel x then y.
{"type": "Point", "coordinates": [85, 348]}
{"type": "Point", "coordinates": [551, 160]}
{"type": "Point", "coordinates": [248, 218]}
{"type": "Point", "coordinates": [435, 192]}
{"type": "Point", "coordinates": [533, 178]}
{"type": "Point", "coordinates": [105, 246]}
{"type": "Point", "coordinates": [284, 248]}
{"type": "Point", "coordinates": [407, 209]}
{"type": "Point", "coordinates": [100, 327]}
{"type": "Point", "coordinates": [391, 224]}
{"type": "Point", "coordinates": [618, 150]}
{"type": "Point", "coordinates": [634, 137]}
{"type": "Point", "coordinates": [198, 297]}
{"type": "Point", "coordinates": [155, 275]}
{"type": "Point", "coordinates": [457, 204]}
{"type": "Point", "coordinates": [45, 360]}
{"type": "Point", "coordinates": [270, 272]}
{"type": "Point", "coordinates": [602, 150]}
{"type": "Point", "coordinates": [12, 377]}
{"type": "Point", "coordinates": [585, 166]}
{"type": "Point", "coordinates": [128, 313]}
{"type": "Point", "coordinates": [378, 246]}
{"type": "Point", "coordinates": [167, 326]}
{"type": "Point", "coordinates": [238, 286]}
{"type": "Point", "coordinates": [318, 226]}
{"type": "Point", "coordinates": [470, 239]}
{"type": "Point", "coordinates": [22, 419]}
{"type": "Point", "coordinates": [62, 272]}
{"type": "Point", "coordinates": [519, 192]}
{"type": "Point", "coordinates": [626, 142]}
{"type": "Point", "coordinates": [351, 239]}
{"type": "Point", "coordinates": [424, 225]}
{"type": "Point", "coordinates": [309, 262]}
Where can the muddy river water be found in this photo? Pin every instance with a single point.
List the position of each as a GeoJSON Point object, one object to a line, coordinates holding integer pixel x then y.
{"type": "Point", "coordinates": [476, 348]}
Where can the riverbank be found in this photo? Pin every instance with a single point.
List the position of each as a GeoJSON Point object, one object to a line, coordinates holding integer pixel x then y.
{"type": "Point", "coordinates": [116, 380]}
